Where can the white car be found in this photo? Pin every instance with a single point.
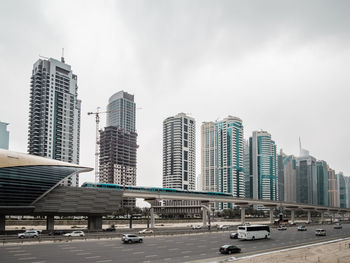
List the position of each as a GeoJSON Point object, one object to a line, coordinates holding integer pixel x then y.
{"type": "Point", "coordinates": [75, 234]}
{"type": "Point", "coordinates": [29, 233]}
{"type": "Point", "coordinates": [146, 231]}
{"type": "Point", "coordinates": [223, 227]}
{"type": "Point", "coordinates": [196, 227]}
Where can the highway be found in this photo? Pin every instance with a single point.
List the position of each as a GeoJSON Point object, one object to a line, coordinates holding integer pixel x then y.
{"type": "Point", "coordinates": [178, 248]}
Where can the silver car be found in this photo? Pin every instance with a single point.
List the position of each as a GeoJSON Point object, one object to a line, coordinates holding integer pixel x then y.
{"type": "Point", "coordinates": [29, 233]}
{"type": "Point", "coordinates": [130, 238]}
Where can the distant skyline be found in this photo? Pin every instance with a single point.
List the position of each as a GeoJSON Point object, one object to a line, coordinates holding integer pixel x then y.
{"type": "Point", "coordinates": [280, 66]}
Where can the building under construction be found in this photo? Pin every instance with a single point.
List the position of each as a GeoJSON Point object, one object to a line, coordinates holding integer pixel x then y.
{"type": "Point", "coordinates": [118, 158]}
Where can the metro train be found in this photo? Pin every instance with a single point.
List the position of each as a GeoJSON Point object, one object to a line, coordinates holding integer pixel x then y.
{"type": "Point", "coordinates": [151, 189]}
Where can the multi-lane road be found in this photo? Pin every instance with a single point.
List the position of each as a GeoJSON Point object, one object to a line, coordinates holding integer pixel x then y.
{"type": "Point", "coordinates": [180, 248]}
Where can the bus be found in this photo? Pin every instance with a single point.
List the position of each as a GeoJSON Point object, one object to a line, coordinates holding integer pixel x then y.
{"type": "Point", "coordinates": [252, 232]}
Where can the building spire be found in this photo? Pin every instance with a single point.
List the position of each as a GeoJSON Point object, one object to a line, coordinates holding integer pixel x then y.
{"type": "Point", "coordinates": [62, 57]}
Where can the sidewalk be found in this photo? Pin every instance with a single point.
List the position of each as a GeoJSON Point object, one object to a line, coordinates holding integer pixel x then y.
{"type": "Point", "coordinates": [337, 252]}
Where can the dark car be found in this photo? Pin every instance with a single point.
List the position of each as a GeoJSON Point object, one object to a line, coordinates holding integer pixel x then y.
{"type": "Point", "coordinates": [109, 229]}
{"type": "Point", "coordinates": [234, 235]}
{"type": "Point", "coordinates": [228, 249]}
{"type": "Point", "coordinates": [57, 233]}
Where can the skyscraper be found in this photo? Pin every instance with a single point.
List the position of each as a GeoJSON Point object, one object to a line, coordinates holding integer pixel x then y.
{"type": "Point", "coordinates": [179, 152]}
{"type": "Point", "coordinates": [118, 143]}
{"type": "Point", "coordinates": [333, 188]}
{"type": "Point", "coordinates": [264, 166]}
{"type": "Point", "coordinates": [306, 178]}
{"type": "Point", "coordinates": [289, 173]}
{"type": "Point", "coordinates": [4, 136]}
{"type": "Point", "coordinates": [341, 190]}
{"type": "Point", "coordinates": [122, 111]}
{"type": "Point", "coordinates": [322, 183]}
{"type": "Point", "coordinates": [223, 157]}
{"type": "Point", "coordinates": [54, 113]}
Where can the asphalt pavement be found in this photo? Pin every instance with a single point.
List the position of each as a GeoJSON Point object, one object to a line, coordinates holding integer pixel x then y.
{"type": "Point", "coordinates": [177, 248]}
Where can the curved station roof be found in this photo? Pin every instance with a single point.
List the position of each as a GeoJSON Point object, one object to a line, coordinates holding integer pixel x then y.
{"type": "Point", "coordinates": [26, 178]}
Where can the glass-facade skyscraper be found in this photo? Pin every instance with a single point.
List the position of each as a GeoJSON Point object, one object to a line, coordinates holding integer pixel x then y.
{"type": "Point", "coordinates": [121, 111]}
{"type": "Point", "coordinates": [264, 166]}
{"type": "Point", "coordinates": [322, 183]}
{"type": "Point", "coordinates": [54, 113]}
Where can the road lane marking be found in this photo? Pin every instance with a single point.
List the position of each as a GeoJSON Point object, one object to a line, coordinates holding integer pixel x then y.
{"type": "Point", "coordinates": [140, 252]}
{"type": "Point", "coordinates": [203, 254]}
{"type": "Point", "coordinates": [93, 257]}
{"type": "Point", "coordinates": [16, 251]}
{"type": "Point", "coordinates": [82, 254]}
{"type": "Point", "coordinates": [162, 247]}
{"type": "Point", "coordinates": [151, 256]}
{"type": "Point", "coordinates": [77, 250]}
{"type": "Point", "coordinates": [166, 259]}
{"type": "Point", "coordinates": [101, 261]}
{"type": "Point", "coordinates": [183, 252]}
{"type": "Point", "coordinates": [22, 254]}
{"type": "Point", "coordinates": [27, 258]}
{"type": "Point", "coordinates": [173, 248]}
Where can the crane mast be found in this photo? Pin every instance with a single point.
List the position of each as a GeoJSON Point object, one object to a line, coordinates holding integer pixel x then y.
{"type": "Point", "coordinates": [97, 149]}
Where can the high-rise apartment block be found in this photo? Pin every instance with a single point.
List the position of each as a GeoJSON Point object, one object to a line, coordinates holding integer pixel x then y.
{"type": "Point", "coordinates": [4, 136]}
{"type": "Point", "coordinates": [54, 113]}
{"type": "Point", "coordinates": [223, 157]}
{"type": "Point", "coordinates": [179, 152]}
{"type": "Point", "coordinates": [264, 166]}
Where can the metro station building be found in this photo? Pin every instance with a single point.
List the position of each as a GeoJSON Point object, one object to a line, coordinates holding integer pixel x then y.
{"type": "Point", "coordinates": [32, 185]}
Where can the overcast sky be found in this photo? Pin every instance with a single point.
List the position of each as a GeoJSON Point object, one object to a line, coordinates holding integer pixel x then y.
{"type": "Point", "coordinates": [281, 66]}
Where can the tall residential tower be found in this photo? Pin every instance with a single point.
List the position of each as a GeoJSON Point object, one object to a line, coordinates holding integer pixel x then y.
{"type": "Point", "coordinates": [179, 152]}
{"type": "Point", "coordinates": [223, 158]}
{"type": "Point", "coordinates": [264, 166]}
{"type": "Point", "coordinates": [54, 113]}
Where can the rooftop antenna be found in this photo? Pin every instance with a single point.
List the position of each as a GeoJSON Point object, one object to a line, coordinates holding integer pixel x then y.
{"type": "Point", "coordinates": [62, 57]}
{"type": "Point", "coordinates": [299, 144]}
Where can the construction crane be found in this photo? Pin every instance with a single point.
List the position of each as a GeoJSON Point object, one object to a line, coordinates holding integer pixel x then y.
{"type": "Point", "coordinates": [97, 150]}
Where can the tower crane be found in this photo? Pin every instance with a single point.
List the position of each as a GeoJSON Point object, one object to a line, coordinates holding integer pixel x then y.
{"type": "Point", "coordinates": [97, 150]}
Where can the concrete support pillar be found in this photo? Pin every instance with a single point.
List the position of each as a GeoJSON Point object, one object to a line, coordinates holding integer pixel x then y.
{"type": "Point", "coordinates": [50, 223]}
{"type": "Point", "coordinates": [271, 215]}
{"type": "Point", "coordinates": [152, 217]}
{"type": "Point", "coordinates": [95, 223]}
{"type": "Point", "coordinates": [322, 217]}
{"type": "Point", "coordinates": [2, 223]}
{"type": "Point", "coordinates": [204, 216]}
{"type": "Point", "coordinates": [308, 216]}
{"type": "Point", "coordinates": [242, 215]}
{"type": "Point", "coordinates": [292, 216]}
